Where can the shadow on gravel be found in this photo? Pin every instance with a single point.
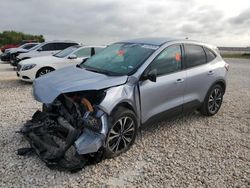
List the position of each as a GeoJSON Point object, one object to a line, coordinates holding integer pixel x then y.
{"type": "Point", "coordinates": [171, 121]}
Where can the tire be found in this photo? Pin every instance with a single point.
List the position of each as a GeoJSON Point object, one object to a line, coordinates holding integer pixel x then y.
{"type": "Point", "coordinates": [44, 71]}
{"type": "Point", "coordinates": [213, 101]}
{"type": "Point", "coordinates": [118, 141]}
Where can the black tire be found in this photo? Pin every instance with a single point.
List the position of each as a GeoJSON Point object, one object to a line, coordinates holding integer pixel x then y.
{"type": "Point", "coordinates": [115, 145]}
{"type": "Point", "coordinates": [44, 71]}
{"type": "Point", "coordinates": [213, 101]}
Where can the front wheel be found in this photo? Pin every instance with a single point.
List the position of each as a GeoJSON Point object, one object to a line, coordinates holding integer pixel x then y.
{"type": "Point", "coordinates": [44, 71]}
{"type": "Point", "coordinates": [122, 132]}
{"type": "Point", "coordinates": [213, 101]}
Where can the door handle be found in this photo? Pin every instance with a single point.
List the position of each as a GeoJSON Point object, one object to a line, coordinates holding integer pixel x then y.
{"type": "Point", "coordinates": [211, 72]}
{"type": "Point", "coordinates": [180, 80]}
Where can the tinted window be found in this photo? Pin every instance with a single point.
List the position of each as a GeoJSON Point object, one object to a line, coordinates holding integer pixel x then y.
{"type": "Point", "coordinates": [194, 55]}
{"type": "Point", "coordinates": [210, 55]}
{"type": "Point", "coordinates": [168, 61]}
{"type": "Point", "coordinates": [84, 52]}
{"type": "Point", "coordinates": [48, 47]}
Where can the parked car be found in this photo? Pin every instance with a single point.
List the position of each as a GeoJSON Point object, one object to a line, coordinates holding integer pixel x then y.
{"type": "Point", "coordinates": [30, 69]}
{"type": "Point", "coordinates": [6, 56]}
{"type": "Point", "coordinates": [99, 105]}
{"type": "Point", "coordinates": [7, 46]}
{"type": "Point", "coordinates": [14, 53]}
{"type": "Point", "coordinates": [45, 49]}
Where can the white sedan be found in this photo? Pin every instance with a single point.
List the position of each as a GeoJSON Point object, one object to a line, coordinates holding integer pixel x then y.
{"type": "Point", "coordinates": [30, 69]}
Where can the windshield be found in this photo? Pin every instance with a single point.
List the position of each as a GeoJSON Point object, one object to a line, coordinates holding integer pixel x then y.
{"type": "Point", "coordinates": [28, 46]}
{"type": "Point", "coordinates": [119, 58]}
{"type": "Point", "coordinates": [35, 47]}
{"type": "Point", "coordinates": [66, 51]}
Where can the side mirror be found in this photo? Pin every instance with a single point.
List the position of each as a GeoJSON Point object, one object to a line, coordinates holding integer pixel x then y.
{"type": "Point", "coordinates": [72, 56]}
{"type": "Point", "coordinates": [150, 75]}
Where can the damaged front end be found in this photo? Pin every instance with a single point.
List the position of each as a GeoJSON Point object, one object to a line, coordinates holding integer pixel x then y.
{"type": "Point", "coordinates": [70, 132]}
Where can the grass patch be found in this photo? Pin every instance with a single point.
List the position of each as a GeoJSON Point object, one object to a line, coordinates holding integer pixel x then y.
{"type": "Point", "coordinates": [244, 56]}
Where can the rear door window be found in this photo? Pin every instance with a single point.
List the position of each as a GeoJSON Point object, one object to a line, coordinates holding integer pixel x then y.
{"type": "Point", "coordinates": [49, 47]}
{"type": "Point", "coordinates": [194, 55]}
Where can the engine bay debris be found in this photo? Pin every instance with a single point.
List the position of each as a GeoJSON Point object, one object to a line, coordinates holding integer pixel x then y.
{"type": "Point", "coordinates": [69, 133]}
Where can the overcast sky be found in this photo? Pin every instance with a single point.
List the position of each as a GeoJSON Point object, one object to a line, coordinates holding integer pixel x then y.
{"type": "Point", "coordinates": [220, 22]}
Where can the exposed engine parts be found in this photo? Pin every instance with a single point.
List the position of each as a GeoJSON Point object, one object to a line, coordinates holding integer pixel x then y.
{"type": "Point", "coordinates": [70, 124]}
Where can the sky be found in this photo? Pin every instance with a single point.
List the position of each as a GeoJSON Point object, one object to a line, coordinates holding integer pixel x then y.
{"type": "Point", "coordinates": [219, 22]}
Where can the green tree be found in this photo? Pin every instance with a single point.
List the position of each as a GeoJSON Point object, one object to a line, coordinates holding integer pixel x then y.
{"type": "Point", "coordinates": [14, 37]}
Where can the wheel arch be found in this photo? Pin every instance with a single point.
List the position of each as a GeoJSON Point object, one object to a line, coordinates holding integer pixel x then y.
{"type": "Point", "coordinates": [222, 83]}
{"type": "Point", "coordinates": [124, 104]}
{"type": "Point", "coordinates": [37, 72]}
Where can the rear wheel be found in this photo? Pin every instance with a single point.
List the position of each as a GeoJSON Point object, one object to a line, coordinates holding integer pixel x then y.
{"type": "Point", "coordinates": [213, 101]}
{"type": "Point", "coordinates": [122, 132]}
{"type": "Point", "coordinates": [44, 71]}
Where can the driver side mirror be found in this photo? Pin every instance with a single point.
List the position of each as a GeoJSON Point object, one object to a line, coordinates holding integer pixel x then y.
{"type": "Point", "coordinates": [150, 75]}
{"type": "Point", "coordinates": [72, 56]}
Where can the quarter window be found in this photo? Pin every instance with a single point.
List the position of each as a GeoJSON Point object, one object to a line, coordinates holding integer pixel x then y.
{"type": "Point", "coordinates": [210, 55]}
{"type": "Point", "coordinates": [194, 55]}
{"type": "Point", "coordinates": [168, 61]}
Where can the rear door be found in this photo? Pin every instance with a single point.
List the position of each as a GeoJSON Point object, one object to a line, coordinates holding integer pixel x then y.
{"type": "Point", "coordinates": [200, 75]}
{"type": "Point", "coordinates": [166, 94]}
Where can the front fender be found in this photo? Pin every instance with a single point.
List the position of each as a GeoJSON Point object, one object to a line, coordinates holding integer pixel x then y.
{"type": "Point", "coordinates": [117, 95]}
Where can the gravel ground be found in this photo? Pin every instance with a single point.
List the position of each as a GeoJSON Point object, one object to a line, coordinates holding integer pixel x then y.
{"type": "Point", "coordinates": [188, 151]}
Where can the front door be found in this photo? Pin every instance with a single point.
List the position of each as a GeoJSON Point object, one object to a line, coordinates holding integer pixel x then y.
{"type": "Point", "coordinates": [167, 92]}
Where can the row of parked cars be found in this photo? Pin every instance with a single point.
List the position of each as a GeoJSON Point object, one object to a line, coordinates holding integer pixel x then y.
{"type": "Point", "coordinates": [33, 60]}
{"type": "Point", "coordinates": [98, 105]}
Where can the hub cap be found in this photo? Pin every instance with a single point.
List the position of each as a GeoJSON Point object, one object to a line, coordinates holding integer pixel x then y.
{"type": "Point", "coordinates": [121, 134]}
{"type": "Point", "coordinates": [215, 100]}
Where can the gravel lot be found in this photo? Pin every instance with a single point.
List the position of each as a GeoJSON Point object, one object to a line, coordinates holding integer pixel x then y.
{"type": "Point", "coordinates": [188, 151]}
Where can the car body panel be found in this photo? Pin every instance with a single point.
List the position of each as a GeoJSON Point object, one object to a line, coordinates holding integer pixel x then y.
{"type": "Point", "coordinates": [63, 81]}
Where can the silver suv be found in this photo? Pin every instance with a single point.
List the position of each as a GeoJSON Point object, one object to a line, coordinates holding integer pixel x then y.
{"type": "Point", "coordinates": [129, 83]}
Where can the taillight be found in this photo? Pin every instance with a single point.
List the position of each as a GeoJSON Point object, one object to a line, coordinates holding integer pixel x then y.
{"type": "Point", "coordinates": [226, 66]}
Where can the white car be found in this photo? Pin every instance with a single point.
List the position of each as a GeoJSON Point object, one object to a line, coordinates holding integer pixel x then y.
{"type": "Point", "coordinates": [30, 69]}
{"type": "Point", "coordinates": [45, 49]}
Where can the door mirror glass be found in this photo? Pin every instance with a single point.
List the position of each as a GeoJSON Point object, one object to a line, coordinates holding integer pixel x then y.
{"type": "Point", "coordinates": [72, 56]}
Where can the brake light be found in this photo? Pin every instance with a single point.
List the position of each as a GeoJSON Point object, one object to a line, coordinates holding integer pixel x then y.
{"type": "Point", "coordinates": [226, 66]}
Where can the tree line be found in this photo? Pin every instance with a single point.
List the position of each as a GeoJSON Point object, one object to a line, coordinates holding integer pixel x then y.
{"type": "Point", "coordinates": [14, 37]}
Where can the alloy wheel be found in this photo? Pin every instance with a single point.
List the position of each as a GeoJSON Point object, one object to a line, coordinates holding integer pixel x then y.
{"type": "Point", "coordinates": [121, 134]}
{"type": "Point", "coordinates": [214, 101]}
{"type": "Point", "coordinates": [44, 71]}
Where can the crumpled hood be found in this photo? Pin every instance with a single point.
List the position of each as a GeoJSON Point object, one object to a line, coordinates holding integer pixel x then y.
{"type": "Point", "coordinates": [71, 79]}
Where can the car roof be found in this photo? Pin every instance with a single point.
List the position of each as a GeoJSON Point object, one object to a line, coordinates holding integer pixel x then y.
{"type": "Point", "coordinates": [151, 40]}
